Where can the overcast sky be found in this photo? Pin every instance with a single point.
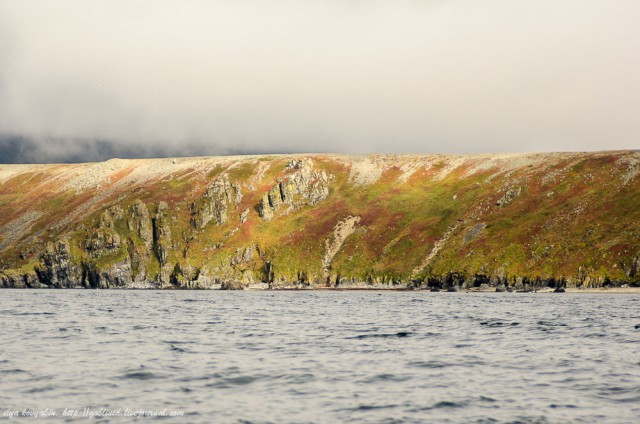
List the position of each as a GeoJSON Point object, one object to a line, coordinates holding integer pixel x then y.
{"type": "Point", "coordinates": [89, 79]}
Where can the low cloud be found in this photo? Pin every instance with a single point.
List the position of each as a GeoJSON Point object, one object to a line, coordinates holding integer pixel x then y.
{"type": "Point", "coordinates": [86, 79]}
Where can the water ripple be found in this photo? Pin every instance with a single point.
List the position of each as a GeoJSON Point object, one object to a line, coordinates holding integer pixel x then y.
{"type": "Point", "coordinates": [324, 357]}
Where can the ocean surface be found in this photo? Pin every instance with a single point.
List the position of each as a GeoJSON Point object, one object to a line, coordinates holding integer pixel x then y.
{"type": "Point", "coordinates": [318, 357]}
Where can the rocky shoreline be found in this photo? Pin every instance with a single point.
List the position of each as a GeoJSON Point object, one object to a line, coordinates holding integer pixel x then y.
{"type": "Point", "coordinates": [577, 290]}
{"type": "Point", "coordinates": [444, 284]}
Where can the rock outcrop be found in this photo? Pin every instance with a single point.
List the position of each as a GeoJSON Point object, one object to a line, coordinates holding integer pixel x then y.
{"type": "Point", "coordinates": [57, 267]}
{"type": "Point", "coordinates": [162, 233]}
{"type": "Point", "coordinates": [110, 216]}
{"type": "Point", "coordinates": [265, 209]}
{"type": "Point", "coordinates": [17, 280]}
{"type": "Point", "coordinates": [509, 196]}
{"type": "Point", "coordinates": [116, 275]}
{"type": "Point", "coordinates": [301, 186]}
{"type": "Point", "coordinates": [102, 242]}
{"type": "Point", "coordinates": [215, 202]}
{"type": "Point", "coordinates": [243, 256]}
{"type": "Point", "coordinates": [140, 223]}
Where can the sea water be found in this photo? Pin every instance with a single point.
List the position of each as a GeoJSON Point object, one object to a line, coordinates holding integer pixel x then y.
{"type": "Point", "coordinates": [318, 357]}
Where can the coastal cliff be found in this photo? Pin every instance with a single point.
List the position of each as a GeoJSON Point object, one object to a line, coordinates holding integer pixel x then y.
{"type": "Point", "coordinates": [439, 222]}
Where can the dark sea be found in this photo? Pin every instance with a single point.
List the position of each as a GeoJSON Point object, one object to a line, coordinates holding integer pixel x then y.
{"type": "Point", "coordinates": [318, 357]}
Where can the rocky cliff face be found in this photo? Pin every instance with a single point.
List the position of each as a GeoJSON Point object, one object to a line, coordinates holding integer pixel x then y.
{"type": "Point", "coordinates": [214, 205]}
{"type": "Point", "coordinates": [299, 187]}
{"type": "Point", "coordinates": [162, 233]}
{"type": "Point", "coordinates": [57, 267]}
{"type": "Point", "coordinates": [513, 222]}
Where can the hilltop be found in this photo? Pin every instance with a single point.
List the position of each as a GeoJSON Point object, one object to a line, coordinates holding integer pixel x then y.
{"type": "Point", "coordinates": [280, 221]}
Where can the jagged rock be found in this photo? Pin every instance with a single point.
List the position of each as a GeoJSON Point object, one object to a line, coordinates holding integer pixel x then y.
{"type": "Point", "coordinates": [140, 223]}
{"type": "Point", "coordinates": [509, 196]}
{"type": "Point", "coordinates": [237, 194]}
{"type": "Point", "coordinates": [303, 186]}
{"type": "Point", "coordinates": [185, 276]}
{"type": "Point", "coordinates": [105, 221]}
{"type": "Point", "coordinates": [17, 281]}
{"type": "Point", "coordinates": [163, 278]}
{"type": "Point", "coordinates": [288, 191]}
{"type": "Point", "coordinates": [102, 242]}
{"type": "Point", "coordinates": [12, 281]}
{"type": "Point", "coordinates": [204, 281]}
{"type": "Point", "coordinates": [275, 196]}
{"type": "Point", "coordinates": [295, 164]}
{"type": "Point", "coordinates": [57, 267]}
{"type": "Point", "coordinates": [31, 280]}
{"type": "Point", "coordinates": [243, 257]}
{"type": "Point", "coordinates": [265, 210]}
{"type": "Point", "coordinates": [138, 257]}
{"type": "Point", "coordinates": [162, 233]}
{"type": "Point", "coordinates": [247, 256]}
{"type": "Point", "coordinates": [110, 216]}
{"type": "Point", "coordinates": [244, 215]}
{"type": "Point", "coordinates": [312, 185]}
{"type": "Point", "coordinates": [114, 275]}
{"type": "Point", "coordinates": [112, 263]}
{"type": "Point", "coordinates": [318, 193]}
{"type": "Point", "coordinates": [214, 204]}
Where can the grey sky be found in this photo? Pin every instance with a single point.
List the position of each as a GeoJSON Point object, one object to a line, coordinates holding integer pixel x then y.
{"type": "Point", "coordinates": [432, 76]}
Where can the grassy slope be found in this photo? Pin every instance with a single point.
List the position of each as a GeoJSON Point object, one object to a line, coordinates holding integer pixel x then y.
{"type": "Point", "coordinates": [574, 211]}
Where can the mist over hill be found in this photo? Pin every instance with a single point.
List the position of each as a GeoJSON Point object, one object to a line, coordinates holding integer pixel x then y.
{"type": "Point", "coordinates": [16, 149]}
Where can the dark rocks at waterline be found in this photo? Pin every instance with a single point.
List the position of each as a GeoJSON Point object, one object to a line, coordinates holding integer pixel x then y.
{"type": "Point", "coordinates": [231, 285]}
{"type": "Point", "coordinates": [56, 269]}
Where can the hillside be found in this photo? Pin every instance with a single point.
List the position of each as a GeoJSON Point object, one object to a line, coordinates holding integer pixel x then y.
{"type": "Point", "coordinates": [437, 221]}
